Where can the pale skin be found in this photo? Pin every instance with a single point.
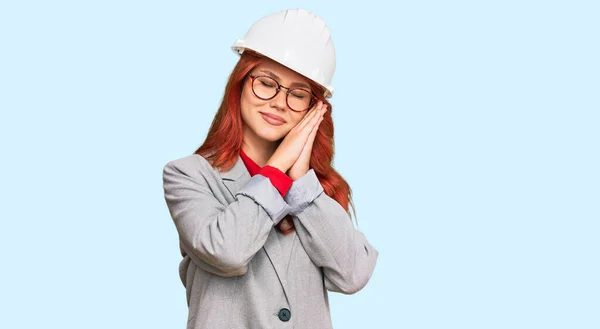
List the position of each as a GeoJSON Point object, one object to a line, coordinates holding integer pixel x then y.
{"type": "Point", "coordinates": [261, 139]}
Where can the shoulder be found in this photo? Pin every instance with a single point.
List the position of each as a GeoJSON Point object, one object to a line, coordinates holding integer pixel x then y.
{"type": "Point", "coordinates": [190, 165]}
{"type": "Point", "coordinates": [190, 177]}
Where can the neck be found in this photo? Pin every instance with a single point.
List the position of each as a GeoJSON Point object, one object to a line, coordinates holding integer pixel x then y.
{"type": "Point", "coordinates": [258, 149]}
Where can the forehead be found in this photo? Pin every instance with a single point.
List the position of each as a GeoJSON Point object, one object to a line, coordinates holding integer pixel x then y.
{"type": "Point", "coordinates": [283, 74]}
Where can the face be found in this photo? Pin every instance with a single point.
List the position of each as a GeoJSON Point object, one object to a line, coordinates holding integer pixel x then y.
{"type": "Point", "coordinates": [255, 125]}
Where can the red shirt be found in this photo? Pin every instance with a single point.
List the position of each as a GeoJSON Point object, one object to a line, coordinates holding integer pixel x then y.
{"type": "Point", "coordinates": [278, 178]}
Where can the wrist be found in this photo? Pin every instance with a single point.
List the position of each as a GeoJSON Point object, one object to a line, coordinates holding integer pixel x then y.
{"type": "Point", "coordinates": [295, 173]}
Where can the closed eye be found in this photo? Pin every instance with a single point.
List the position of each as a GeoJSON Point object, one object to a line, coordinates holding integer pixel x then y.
{"type": "Point", "coordinates": [267, 84]}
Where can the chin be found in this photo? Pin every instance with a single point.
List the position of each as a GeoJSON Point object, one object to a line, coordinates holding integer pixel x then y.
{"type": "Point", "coordinates": [270, 135]}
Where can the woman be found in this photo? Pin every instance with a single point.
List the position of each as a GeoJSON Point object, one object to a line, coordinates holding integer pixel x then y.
{"type": "Point", "coordinates": [262, 216]}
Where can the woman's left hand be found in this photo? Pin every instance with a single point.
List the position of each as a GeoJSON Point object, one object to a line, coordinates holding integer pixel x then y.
{"type": "Point", "coordinates": [302, 164]}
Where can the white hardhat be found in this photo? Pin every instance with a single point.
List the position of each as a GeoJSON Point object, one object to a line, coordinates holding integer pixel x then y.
{"type": "Point", "coordinates": [297, 39]}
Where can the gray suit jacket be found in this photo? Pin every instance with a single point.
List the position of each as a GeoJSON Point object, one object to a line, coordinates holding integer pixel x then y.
{"type": "Point", "coordinates": [233, 265]}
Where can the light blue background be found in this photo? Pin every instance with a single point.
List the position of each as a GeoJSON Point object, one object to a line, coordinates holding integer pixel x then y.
{"type": "Point", "coordinates": [468, 131]}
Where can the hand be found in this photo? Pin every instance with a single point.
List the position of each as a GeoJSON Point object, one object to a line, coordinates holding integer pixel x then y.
{"type": "Point", "coordinates": [302, 164]}
{"type": "Point", "coordinates": [292, 145]}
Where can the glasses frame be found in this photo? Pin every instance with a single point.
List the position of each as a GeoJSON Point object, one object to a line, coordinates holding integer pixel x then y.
{"type": "Point", "coordinates": [287, 94]}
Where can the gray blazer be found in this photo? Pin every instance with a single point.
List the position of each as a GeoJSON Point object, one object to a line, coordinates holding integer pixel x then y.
{"type": "Point", "coordinates": [233, 266]}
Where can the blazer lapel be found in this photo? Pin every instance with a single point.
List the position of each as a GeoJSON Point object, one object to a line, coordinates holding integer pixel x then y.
{"type": "Point", "coordinates": [234, 179]}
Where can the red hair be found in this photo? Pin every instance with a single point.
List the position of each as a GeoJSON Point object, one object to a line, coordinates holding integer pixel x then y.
{"type": "Point", "coordinates": [224, 139]}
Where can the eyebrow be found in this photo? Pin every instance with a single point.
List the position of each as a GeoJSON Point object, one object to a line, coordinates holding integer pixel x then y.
{"type": "Point", "coordinates": [299, 84]}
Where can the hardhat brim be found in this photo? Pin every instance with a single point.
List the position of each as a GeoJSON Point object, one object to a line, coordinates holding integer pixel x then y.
{"type": "Point", "coordinates": [238, 47]}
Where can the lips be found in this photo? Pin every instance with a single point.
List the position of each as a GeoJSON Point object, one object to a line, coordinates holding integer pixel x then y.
{"type": "Point", "coordinates": [273, 116]}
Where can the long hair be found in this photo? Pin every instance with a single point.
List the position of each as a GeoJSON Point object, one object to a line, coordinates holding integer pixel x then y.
{"type": "Point", "coordinates": [224, 139]}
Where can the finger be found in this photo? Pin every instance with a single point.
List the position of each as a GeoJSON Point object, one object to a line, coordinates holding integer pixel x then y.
{"type": "Point", "coordinates": [310, 129]}
{"type": "Point", "coordinates": [313, 134]}
{"type": "Point", "coordinates": [310, 115]}
{"type": "Point", "coordinates": [320, 116]}
{"type": "Point", "coordinates": [316, 120]}
{"type": "Point", "coordinates": [316, 128]}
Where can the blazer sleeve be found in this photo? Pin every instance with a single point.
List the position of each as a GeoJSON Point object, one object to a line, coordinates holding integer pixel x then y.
{"type": "Point", "coordinates": [226, 237]}
{"type": "Point", "coordinates": [281, 181]}
{"type": "Point", "coordinates": [329, 237]}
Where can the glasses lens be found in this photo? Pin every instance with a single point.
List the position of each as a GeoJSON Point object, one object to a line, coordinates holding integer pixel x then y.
{"type": "Point", "coordinates": [299, 99]}
{"type": "Point", "coordinates": [264, 87]}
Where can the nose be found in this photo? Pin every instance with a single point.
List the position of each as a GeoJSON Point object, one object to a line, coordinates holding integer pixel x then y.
{"type": "Point", "coordinates": [279, 100]}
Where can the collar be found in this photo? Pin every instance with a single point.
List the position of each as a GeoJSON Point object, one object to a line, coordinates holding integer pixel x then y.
{"type": "Point", "coordinates": [252, 167]}
{"type": "Point", "coordinates": [235, 172]}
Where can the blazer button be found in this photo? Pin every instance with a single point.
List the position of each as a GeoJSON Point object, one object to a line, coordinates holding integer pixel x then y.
{"type": "Point", "coordinates": [284, 314]}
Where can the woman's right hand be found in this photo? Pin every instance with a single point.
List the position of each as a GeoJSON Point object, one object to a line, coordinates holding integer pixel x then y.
{"type": "Point", "coordinates": [290, 148]}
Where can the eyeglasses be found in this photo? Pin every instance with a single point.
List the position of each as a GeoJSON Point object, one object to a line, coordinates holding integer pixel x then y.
{"type": "Point", "coordinates": [297, 99]}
